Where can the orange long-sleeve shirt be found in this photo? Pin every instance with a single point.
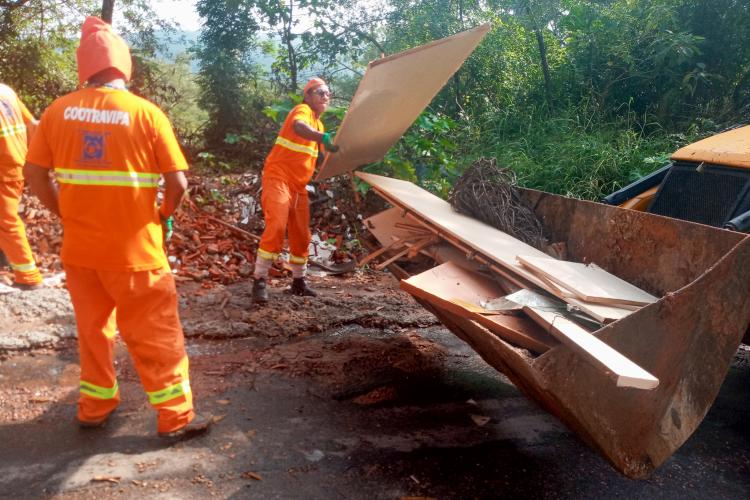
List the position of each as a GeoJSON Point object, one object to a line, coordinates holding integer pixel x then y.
{"type": "Point", "coordinates": [108, 148]}
{"type": "Point", "coordinates": [293, 157]}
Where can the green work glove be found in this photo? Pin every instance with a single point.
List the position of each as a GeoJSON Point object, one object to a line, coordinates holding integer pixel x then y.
{"type": "Point", "coordinates": [328, 143]}
{"type": "Point", "coordinates": [166, 228]}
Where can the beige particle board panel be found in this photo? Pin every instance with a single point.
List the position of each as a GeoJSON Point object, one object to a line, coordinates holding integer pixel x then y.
{"type": "Point", "coordinates": [391, 95]}
{"type": "Point", "coordinates": [462, 292]}
{"type": "Point", "coordinates": [624, 372]}
{"type": "Point", "coordinates": [589, 282]}
{"type": "Point", "coordinates": [604, 313]}
{"type": "Point", "coordinates": [492, 243]}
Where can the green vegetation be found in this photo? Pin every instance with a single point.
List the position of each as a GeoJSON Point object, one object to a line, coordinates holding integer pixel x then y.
{"type": "Point", "coordinates": [578, 97]}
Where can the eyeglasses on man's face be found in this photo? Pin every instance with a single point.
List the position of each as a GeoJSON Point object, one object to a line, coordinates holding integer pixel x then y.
{"type": "Point", "coordinates": [322, 93]}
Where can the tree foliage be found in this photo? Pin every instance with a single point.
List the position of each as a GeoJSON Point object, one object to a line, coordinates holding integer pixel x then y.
{"type": "Point", "coordinates": [38, 39]}
{"type": "Point", "coordinates": [227, 71]}
{"type": "Point", "coordinates": [578, 96]}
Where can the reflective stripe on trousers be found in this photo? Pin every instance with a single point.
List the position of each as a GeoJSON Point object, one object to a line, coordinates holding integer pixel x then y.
{"type": "Point", "coordinates": [28, 266]}
{"type": "Point", "coordinates": [172, 392]}
{"type": "Point", "coordinates": [95, 391]}
{"type": "Point", "coordinates": [13, 240]}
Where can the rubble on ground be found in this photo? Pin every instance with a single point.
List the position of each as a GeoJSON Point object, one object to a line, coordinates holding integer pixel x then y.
{"type": "Point", "coordinates": [217, 229]}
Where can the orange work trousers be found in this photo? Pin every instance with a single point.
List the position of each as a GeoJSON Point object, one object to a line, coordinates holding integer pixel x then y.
{"type": "Point", "coordinates": [13, 241]}
{"type": "Point", "coordinates": [143, 306]}
{"type": "Point", "coordinates": [286, 212]}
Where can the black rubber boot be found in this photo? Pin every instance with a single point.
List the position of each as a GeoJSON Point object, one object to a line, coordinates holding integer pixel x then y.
{"type": "Point", "coordinates": [299, 287]}
{"type": "Point", "coordinates": [260, 293]}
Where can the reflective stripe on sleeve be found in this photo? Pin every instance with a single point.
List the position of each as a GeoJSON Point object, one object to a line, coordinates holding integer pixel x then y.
{"type": "Point", "coordinates": [107, 178]}
{"type": "Point", "coordinates": [263, 254]}
{"type": "Point", "coordinates": [95, 391]}
{"type": "Point", "coordinates": [29, 266]}
{"type": "Point", "coordinates": [299, 148]}
{"type": "Point", "coordinates": [172, 392]}
{"type": "Point", "coordinates": [12, 129]}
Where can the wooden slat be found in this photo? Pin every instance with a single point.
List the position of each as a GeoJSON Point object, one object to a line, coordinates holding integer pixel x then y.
{"type": "Point", "coordinates": [623, 371]}
{"type": "Point", "coordinates": [387, 224]}
{"type": "Point", "coordinates": [401, 253]}
{"type": "Point", "coordinates": [588, 282]}
{"type": "Point", "coordinates": [380, 251]}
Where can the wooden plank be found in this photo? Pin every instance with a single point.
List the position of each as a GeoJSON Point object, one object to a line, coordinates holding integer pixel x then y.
{"type": "Point", "coordinates": [450, 287]}
{"type": "Point", "coordinates": [623, 371]}
{"type": "Point", "coordinates": [415, 248]}
{"type": "Point", "coordinates": [380, 251]}
{"type": "Point", "coordinates": [400, 254]}
{"type": "Point", "coordinates": [418, 229]}
{"type": "Point", "coordinates": [387, 224]}
{"type": "Point", "coordinates": [391, 95]}
{"type": "Point", "coordinates": [588, 282]}
{"type": "Point", "coordinates": [470, 233]}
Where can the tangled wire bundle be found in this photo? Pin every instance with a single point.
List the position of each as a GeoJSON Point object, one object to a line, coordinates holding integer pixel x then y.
{"type": "Point", "coordinates": [488, 193]}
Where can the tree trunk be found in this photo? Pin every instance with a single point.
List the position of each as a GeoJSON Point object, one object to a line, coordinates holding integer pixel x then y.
{"type": "Point", "coordinates": [536, 25]}
{"type": "Point", "coordinates": [545, 65]}
{"type": "Point", "coordinates": [108, 7]}
{"type": "Point", "coordinates": [291, 54]}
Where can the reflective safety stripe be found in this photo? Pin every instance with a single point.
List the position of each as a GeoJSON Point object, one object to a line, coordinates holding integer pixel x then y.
{"type": "Point", "coordinates": [30, 266]}
{"type": "Point", "coordinates": [267, 255]}
{"type": "Point", "coordinates": [171, 392]}
{"type": "Point", "coordinates": [297, 260]}
{"type": "Point", "coordinates": [12, 129]}
{"type": "Point", "coordinates": [107, 178]}
{"type": "Point", "coordinates": [300, 148]}
{"type": "Point", "coordinates": [97, 392]}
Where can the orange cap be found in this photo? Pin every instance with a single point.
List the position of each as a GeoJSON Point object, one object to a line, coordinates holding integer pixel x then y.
{"type": "Point", "coordinates": [313, 83]}
{"type": "Point", "coordinates": [100, 49]}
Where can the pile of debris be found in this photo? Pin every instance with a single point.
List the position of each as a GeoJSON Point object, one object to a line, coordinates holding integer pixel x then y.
{"type": "Point", "coordinates": [216, 232]}
{"type": "Point", "coordinates": [481, 269]}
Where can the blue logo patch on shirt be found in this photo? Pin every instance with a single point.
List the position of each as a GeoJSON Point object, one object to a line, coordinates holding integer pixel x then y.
{"type": "Point", "coordinates": [93, 146]}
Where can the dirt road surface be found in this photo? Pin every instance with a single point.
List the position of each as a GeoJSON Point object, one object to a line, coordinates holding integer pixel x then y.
{"type": "Point", "coordinates": [358, 393]}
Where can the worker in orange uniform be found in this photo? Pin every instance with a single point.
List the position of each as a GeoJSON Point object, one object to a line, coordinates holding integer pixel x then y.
{"type": "Point", "coordinates": [286, 209]}
{"type": "Point", "coordinates": [109, 149]}
{"type": "Point", "coordinates": [16, 127]}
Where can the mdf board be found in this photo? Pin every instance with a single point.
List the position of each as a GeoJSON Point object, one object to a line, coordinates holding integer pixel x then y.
{"type": "Point", "coordinates": [391, 95]}
{"type": "Point", "coordinates": [624, 372]}
{"type": "Point", "coordinates": [462, 292]}
{"type": "Point", "coordinates": [491, 242]}
{"type": "Point", "coordinates": [589, 282]}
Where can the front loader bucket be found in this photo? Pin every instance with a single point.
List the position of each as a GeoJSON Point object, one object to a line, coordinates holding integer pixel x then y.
{"type": "Point", "coordinates": [687, 339]}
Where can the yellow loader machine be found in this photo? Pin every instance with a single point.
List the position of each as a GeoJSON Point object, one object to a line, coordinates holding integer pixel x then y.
{"type": "Point", "coordinates": [706, 182]}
